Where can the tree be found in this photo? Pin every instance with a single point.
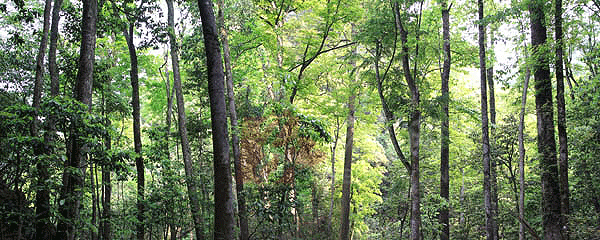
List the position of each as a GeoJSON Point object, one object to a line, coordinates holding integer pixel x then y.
{"type": "Point", "coordinates": [485, 141]}
{"type": "Point", "coordinates": [73, 178]}
{"type": "Point", "coordinates": [414, 123]}
{"type": "Point", "coordinates": [445, 133]}
{"type": "Point", "coordinates": [235, 139]}
{"type": "Point", "coordinates": [563, 160]}
{"type": "Point", "coordinates": [183, 133]}
{"type": "Point", "coordinates": [347, 180]}
{"type": "Point", "coordinates": [551, 209]}
{"type": "Point", "coordinates": [224, 213]}
{"type": "Point", "coordinates": [43, 226]}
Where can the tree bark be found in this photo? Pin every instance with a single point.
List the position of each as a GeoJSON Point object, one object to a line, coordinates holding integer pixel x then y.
{"type": "Point", "coordinates": [73, 181]}
{"type": "Point", "coordinates": [137, 139]}
{"type": "Point", "coordinates": [551, 209]}
{"type": "Point", "coordinates": [414, 123]}
{"type": "Point", "coordinates": [445, 133]}
{"type": "Point", "coordinates": [185, 145]}
{"type": "Point", "coordinates": [235, 139]}
{"type": "Point", "coordinates": [43, 225]}
{"type": "Point", "coordinates": [563, 159]}
{"type": "Point", "coordinates": [485, 142]}
{"type": "Point", "coordinates": [345, 214]}
{"type": "Point", "coordinates": [224, 213]}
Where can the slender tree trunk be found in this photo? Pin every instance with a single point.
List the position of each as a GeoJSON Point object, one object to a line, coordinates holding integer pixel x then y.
{"type": "Point", "coordinates": [43, 225]}
{"type": "Point", "coordinates": [107, 192]}
{"type": "Point", "coordinates": [490, 217]}
{"type": "Point", "coordinates": [493, 155]}
{"type": "Point", "coordinates": [522, 156]}
{"type": "Point", "coordinates": [137, 139]}
{"type": "Point", "coordinates": [73, 181]}
{"type": "Point", "coordinates": [235, 139]}
{"type": "Point", "coordinates": [332, 191]}
{"type": "Point", "coordinates": [414, 123]}
{"type": "Point", "coordinates": [563, 165]}
{"type": "Point", "coordinates": [224, 212]}
{"type": "Point", "coordinates": [551, 209]}
{"type": "Point", "coordinates": [345, 214]}
{"type": "Point", "coordinates": [185, 145]}
{"type": "Point", "coordinates": [445, 133]}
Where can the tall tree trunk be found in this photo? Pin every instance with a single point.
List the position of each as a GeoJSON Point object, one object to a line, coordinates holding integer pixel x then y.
{"type": "Point", "coordinates": [445, 133]}
{"type": "Point", "coordinates": [185, 144]}
{"type": "Point", "coordinates": [332, 188]}
{"type": "Point", "coordinates": [489, 213]}
{"type": "Point", "coordinates": [345, 214]}
{"type": "Point", "coordinates": [563, 165]}
{"type": "Point", "coordinates": [73, 181]}
{"type": "Point", "coordinates": [414, 123]}
{"type": "Point", "coordinates": [137, 138]}
{"type": "Point", "coordinates": [551, 220]}
{"type": "Point", "coordinates": [522, 155]}
{"type": "Point", "coordinates": [43, 225]}
{"type": "Point", "coordinates": [224, 213]}
{"type": "Point", "coordinates": [235, 139]}
{"type": "Point", "coordinates": [493, 154]}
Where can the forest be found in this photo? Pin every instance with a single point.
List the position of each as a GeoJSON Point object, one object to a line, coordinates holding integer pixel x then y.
{"type": "Point", "coordinates": [299, 119]}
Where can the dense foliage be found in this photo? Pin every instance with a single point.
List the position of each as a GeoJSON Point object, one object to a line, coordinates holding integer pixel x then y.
{"type": "Point", "coordinates": [296, 68]}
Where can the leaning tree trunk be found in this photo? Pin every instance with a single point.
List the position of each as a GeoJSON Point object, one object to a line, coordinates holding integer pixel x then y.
{"type": "Point", "coordinates": [185, 144]}
{"type": "Point", "coordinates": [487, 191]}
{"type": "Point", "coordinates": [224, 214]}
{"type": "Point", "coordinates": [332, 187]}
{"type": "Point", "coordinates": [563, 166]}
{"type": "Point", "coordinates": [551, 210]}
{"type": "Point", "coordinates": [43, 225]}
{"type": "Point", "coordinates": [72, 180]}
{"type": "Point", "coordinates": [137, 139]}
{"type": "Point", "coordinates": [235, 139]}
{"type": "Point", "coordinates": [445, 133]}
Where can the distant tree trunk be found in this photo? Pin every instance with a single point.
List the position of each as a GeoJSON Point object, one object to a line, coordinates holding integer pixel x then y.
{"type": "Point", "coordinates": [43, 225]}
{"type": "Point", "coordinates": [185, 144]}
{"type": "Point", "coordinates": [52, 67]}
{"type": "Point", "coordinates": [551, 209]}
{"type": "Point", "coordinates": [332, 191]}
{"type": "Point", "coordinates": [137, 138]}
{"type": "Point", "coordinates": [563, 159]}
{"type": "Point", "coordinates": [224, 212]}
{"type": "Point", "coordinates": [73, 181]}
{"type": "Point", "coordinates": [522, 155]}
{"type": "Point", "coordinates": [235, 139]}
{"type": "Point", "coordinates": [345, 214]}
{"type": "Point", "coordinates": [445, 133]}
{"type": "Point", "coordinates": [489, 213]}
{"type": "Point", "coordinates": [414, 124]}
